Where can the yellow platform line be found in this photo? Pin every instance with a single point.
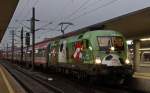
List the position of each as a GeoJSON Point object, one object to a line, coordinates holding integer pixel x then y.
{"type": "Point", "coordinates": [10, 89]}
{"type": "Point", "coordinates": [141, 75]}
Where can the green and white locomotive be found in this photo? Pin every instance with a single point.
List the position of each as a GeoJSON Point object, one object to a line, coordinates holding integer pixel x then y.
{"type": "Point", "coordinates": [100, 53]}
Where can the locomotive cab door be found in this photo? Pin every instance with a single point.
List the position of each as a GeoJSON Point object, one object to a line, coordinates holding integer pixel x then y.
{"type": "Point", "coordinates": [82, 52]}
{"type": "Point", "coordinates": [54, 52]}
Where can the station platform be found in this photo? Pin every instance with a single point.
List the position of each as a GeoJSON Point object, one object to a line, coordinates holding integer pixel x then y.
{"type": "Point", "coordinates": [8, 84]}
{"type": "Point", "coordinates": [141, 75]}
{"type": "Point", "coordinates": [141, 81]}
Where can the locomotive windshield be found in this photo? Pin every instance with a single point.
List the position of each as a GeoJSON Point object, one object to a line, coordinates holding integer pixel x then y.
{"type": "Point", "coordinates": [107, 42]}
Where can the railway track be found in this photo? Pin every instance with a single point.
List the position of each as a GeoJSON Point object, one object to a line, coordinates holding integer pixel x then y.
{"type": "Point", "coordinates": [30, 83]}
{"type": "Point", "coordinates": [53, 83]}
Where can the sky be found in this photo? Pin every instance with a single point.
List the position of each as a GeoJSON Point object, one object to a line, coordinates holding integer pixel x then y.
{"type": "Point", "coordinates": [81, 13]}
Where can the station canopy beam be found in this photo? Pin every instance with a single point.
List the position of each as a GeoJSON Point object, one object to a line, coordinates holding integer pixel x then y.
{"type": "Point", "coordinates": [134, 25]}
{"type": "Point", "coordinates": [7, 8]}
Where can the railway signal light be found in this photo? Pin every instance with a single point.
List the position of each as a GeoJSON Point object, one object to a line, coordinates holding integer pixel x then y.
{"type": "Point", "coordinates": [27, 38]}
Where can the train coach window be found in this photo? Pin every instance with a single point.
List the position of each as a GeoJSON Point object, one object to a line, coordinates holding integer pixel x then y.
{"type": "Point", "coordinates": [43, 52]}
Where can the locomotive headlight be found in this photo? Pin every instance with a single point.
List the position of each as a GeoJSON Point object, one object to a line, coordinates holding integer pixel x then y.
{"type": "Point", "coordinates": [112, 48]}
{"type": "Point", "coordinates": [127, 61]}
{"type": "Point", "coordinates": [28, 52]}
{"type": "Point", "coordinates": [97, 60]}
{"type": "Point", "coordinates": [90, 48]}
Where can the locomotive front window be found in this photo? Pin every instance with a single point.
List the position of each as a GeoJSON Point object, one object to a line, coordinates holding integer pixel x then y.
{"type": "Point", "coordinates": [118, 43]}
{"type": "Point", "coordinates": [106, 42]}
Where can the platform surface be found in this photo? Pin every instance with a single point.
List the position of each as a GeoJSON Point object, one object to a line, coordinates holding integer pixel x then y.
{"type": "Point", "coordinates": [141, 75]}
{"type": "Point", "coordinates": [8, 84]}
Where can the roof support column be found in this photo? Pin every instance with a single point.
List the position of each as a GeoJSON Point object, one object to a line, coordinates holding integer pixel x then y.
{"type": "Point", "coordinates": [136, 54]}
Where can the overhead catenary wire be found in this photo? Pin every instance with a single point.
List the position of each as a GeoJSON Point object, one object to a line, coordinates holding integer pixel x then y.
{"type": "Point", "coordinates": [23, 7]}
{"type": "Point", "coordinates": [63, 8]}
{"type": "Point", "coordinates": [57, 18]}
{"type": "Point", "coordinates": [36, 2]}
{"type": "Point", "coordinates": [45, 25]}
{"type": "Point", "coordinates": [21, 23]}
{"type": "Point", "coordinates": [78, 9]}
{"type": "Point", "coordinates": [28, 11]}
{"type": "Point", "coordinates": [20, 14]}
{"type": "Point", "coordinates": [86, 12]}
{"type": "Point", "coordinates": [24, 25]}
{"type": "Point", "coordinates": [93, 10]}
{"type": "Point", "coordinates": [82, 6]}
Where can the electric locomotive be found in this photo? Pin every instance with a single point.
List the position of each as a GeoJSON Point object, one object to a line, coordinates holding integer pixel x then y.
{"type": "Point", "coordinates": [99, 53]}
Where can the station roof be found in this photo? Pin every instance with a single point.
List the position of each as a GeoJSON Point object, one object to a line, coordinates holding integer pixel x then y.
{"type": "Point", "coordinates": [134, 25]}
{"type": "Point", "coordinates": [7, 8]}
